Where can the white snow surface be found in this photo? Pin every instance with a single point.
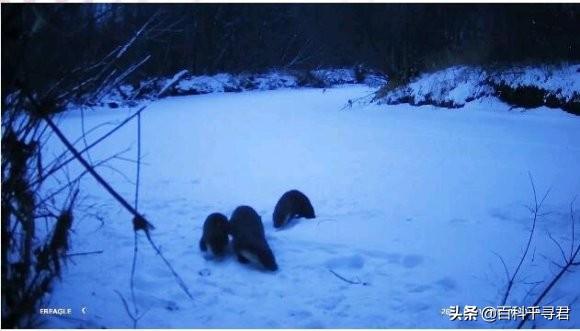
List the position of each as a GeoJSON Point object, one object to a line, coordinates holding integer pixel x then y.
{"type": "Point", "coordinates": [414, 202]}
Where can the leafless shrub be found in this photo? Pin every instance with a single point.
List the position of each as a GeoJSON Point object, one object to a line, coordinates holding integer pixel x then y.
{"type": "Point", "coordinates": [33, 256]}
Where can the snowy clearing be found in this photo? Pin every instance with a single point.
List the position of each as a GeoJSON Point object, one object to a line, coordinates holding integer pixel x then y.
{"type": "Point", "coordinates": [412, 201]}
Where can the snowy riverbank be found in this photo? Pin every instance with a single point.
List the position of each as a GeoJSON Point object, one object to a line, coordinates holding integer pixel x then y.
{"type": "Point", "coordinates": [413, 201]}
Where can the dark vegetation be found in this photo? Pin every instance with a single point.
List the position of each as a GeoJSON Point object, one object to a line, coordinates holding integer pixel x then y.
{"type": "Point", "coordinates": [47, 43]}
{"type": "Point", "coordinates": [533, 96]}
{"type": "Point", "coordinates": [398, 39]}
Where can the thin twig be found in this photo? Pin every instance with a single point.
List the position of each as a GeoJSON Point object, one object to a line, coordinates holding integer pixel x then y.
{"type": "Point", "coordinates": [91, 170]}
{"type": "Point", "coordinates": [136, 238]}
{"type": "Point", "coordinates": [84, 173]}
{"type": "Point", "coordinates": [119, 172]}
{"type": "Point", "coordinates": [170, 267]}
{"type": "Point", "coordinates": [93, 144]}
{"type": "Point", "coordinates": [526, 250]}
{"type": "Point", "coordinates": [126, 159]}
{"type": "Point", "coordinates": [552, 283]}
{"type": "Point", "coordinates": [352, 102]}
{"type": "Point", "coordinates": [531, 290]}
{"type": "Point", "coordinates": [58, 158]}
{"type": "Point", "coordinates": [357, 282]}
{"type": "Point", "coordinates": [133, 268]}
{"type": "Point", "coordinates": [570, 262]}
{"type": "Point", "coordinates": [135, 319]}
{"type": "Point", "coordinates": [559, 246]}
{"type": "Point", "coordinates": [572, 220]}
{"type": "Point", "coordinates": [120, 78]}
{"type": "Point", "coordinates": [85, 253]}
{"type": "Point", "coordinates": [84, 136]}
{"type": "Point", "coordinates": [138, 175]}
{"type": "Point", "coordinates": [507, 273]}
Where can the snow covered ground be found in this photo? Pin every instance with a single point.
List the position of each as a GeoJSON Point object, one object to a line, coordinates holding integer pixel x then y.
{"type": "Point", "coordinates": [414, 202]}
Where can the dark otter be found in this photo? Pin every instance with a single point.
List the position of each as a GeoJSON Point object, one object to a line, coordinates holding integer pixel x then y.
{"type": "Point", "coordinates": [215, 234]}
{"type": "Point", "coordinates": [292, 204]}
{"type": "Point", "coordinates": [249, 239]}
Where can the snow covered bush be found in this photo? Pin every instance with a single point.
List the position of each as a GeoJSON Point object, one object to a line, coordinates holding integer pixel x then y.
{"type": "Point", "coordinates": [374, 80]}
{"type": "Point", "coordinates": [269, 81]}
{"type": "Point", "coordinates": [331, 77]}
{"type": "Point", "coordinates": [450, 88]}
{"type": "Point", "coordinates": [562, 82]}
{"type": "Point", "coordinates": [530, 87]}
{"type": "Point", "coordinates": [184, 83]}
{"type": "Point", "coordinates": [224, 82]}
{"type": "Point", "coordinates": [527, 87]}
{"type": "Point", "coordinates": [192, 85]}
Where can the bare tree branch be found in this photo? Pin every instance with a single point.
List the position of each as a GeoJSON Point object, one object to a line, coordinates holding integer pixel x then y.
{"type": "Point", "coordinates": [535, 211]}
{"type": "Point", "coordinates": [570, 262]}
{"type": "Point", "coordinates": [507, 273]}
{"type": "Point", "coordinates": [552, 283]}
{"type": "Point", "coordinates": [93, 144]}
{"type": "Point", "coordinates": [559, 246]}
{"type": "Point", "coordinates": [136, 238]}
{"type": "Point", "coordinates": [134, 318]}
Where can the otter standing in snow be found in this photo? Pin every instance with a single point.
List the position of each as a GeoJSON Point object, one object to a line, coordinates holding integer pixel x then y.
{"type": "Point", "coordinates": [249, 239]}
{"type": "Point", "coordinates": [292, 204]}
{"type": "Point", "coordinates": [215, 234]}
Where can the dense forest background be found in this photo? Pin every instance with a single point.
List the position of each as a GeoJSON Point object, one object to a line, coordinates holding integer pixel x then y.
{"type": "Point", "coordinates": [43, 42]}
